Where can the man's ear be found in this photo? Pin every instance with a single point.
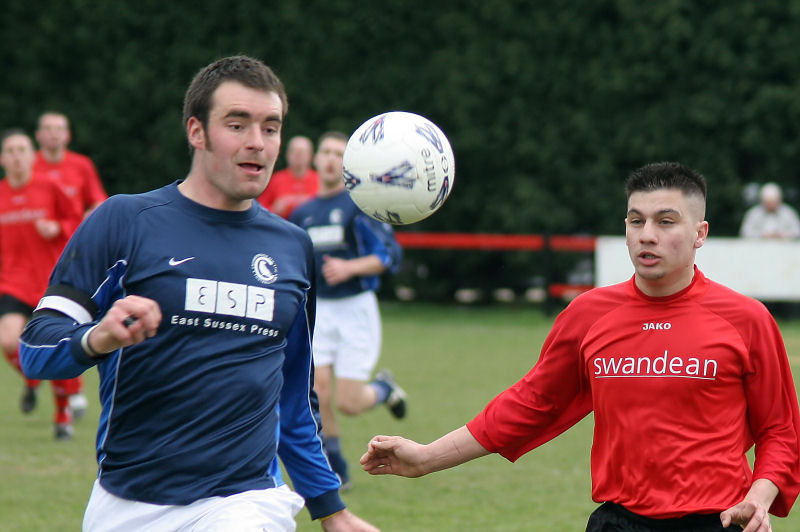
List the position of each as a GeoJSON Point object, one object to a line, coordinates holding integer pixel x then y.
{"type": "Point", "coordinates": [196, 133]}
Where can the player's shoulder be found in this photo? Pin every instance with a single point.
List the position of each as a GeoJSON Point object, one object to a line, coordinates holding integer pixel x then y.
{"type": "Point", "coordinates": [725, 300]}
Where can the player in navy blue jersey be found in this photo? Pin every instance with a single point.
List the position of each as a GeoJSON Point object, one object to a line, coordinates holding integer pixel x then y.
{"type": "Point", "coordinates": [197, 307]}
{"type": "Point", "coordinates": [352, 250]}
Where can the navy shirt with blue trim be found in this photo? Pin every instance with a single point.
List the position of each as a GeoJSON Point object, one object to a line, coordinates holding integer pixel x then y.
{"type": "Point", "coordinates": [206, 406]}
{"type": "Point", "coordinates": [338, 228]}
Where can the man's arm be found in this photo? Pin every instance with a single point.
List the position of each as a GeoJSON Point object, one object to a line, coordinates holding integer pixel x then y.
{"type": "Point", "coordinates": [394, 455]}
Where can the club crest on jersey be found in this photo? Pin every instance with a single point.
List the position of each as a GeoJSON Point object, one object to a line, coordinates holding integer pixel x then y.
{"type": "Point", "coordinates": [336, 216]}
{"type": "Point", "coordinates": [264, 268]}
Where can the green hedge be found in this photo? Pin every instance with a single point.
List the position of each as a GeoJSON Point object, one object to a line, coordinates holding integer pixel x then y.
{"type": "Point", "coordinates": [548, 105]}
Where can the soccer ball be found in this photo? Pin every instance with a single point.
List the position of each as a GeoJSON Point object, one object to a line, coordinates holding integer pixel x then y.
{"type": "Point", "coordinates": [398, 167]}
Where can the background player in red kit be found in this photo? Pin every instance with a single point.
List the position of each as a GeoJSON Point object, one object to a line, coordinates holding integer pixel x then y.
{"type": "Point", "coordinates": [683, 375]}
{"type": "Point", "coordinates": [36, 220]}
{"type": "Point", "coordinates": [78, 178]}
{"type": "Point", "coordinates": [295, 184]}
{"type": "Point", "coordinates": [74, 172]}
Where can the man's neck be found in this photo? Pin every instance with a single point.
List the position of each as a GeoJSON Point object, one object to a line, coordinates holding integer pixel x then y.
{"type": "Point", "coordinates": [17, 181]}
{"type": "Point", "coordinates": [298, 173]}
{"type": "Point", "coordinates": [328, 192]}
{"type": "Point", "coordinates": [53, 156]}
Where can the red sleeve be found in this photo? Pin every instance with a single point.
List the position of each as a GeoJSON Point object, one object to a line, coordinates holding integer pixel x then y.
{"type": "Point", "coordinates": [773, 416]}
{"type": "Point", "coordinates": [551, 398]}
{"type": "Point", "coordinates": [65, 211]}
{"type": "Point", "coordinates": [93, 191]}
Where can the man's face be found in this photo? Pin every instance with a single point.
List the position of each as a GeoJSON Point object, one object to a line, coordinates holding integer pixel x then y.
{"type": "Point", "coordinates": [236, 152]}
{"type": "Point", "coordinates": [53, 132]}
{"type": "Point", "coordinates": [328, 162]}
{"type": "Point", "coordinates": [663, 230]}
{"type": "Point", "coordinates": [299, 154]}
{"type": "Point", "coordinates": [16, 156]}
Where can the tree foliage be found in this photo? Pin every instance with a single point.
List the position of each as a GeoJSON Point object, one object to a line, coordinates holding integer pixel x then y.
{"type": "Point", "coordinates": [548, 105]}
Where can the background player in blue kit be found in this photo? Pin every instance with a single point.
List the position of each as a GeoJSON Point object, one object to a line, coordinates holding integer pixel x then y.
{"type": "Point", "coordinates": [352, 250]}
{"type": "Point", "coordinates": [197, 307]}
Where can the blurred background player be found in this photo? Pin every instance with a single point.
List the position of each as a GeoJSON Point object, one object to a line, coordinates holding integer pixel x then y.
{"type": "Point", "coordinates": [74, 172]}
{"type": "Point", "coordinates": [295, 184]}
{"type": "Point", "coordinates": [36, 220]}
{"type": "Point", "coordinates": [78, 178]}
{"type": "Point", "coordinates": [352, 251]}
{"type": "Point", "coordinates": [771, 217]}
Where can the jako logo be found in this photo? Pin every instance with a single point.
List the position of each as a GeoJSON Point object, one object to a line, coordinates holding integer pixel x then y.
{"type": "Point", "coordinates": [656, 326]}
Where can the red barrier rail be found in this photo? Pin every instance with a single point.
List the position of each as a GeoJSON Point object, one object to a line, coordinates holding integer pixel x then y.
{"type": "Point", "coordinates": [500, 242]}
{"type": "Point", "coordinates": [495, 242]}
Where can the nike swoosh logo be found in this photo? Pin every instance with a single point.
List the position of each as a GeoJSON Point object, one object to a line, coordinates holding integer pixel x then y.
{"type": "Point", "coordinates": [174, 262]}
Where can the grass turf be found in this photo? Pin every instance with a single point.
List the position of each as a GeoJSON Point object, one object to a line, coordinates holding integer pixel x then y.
{"type": "Point", "coordinates": [450, 360]}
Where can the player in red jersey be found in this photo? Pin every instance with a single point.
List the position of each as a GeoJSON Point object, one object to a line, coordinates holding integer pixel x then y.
{"type": "Point", "coordinates": [36, 220]}
{"type": "Point", "coordinates": [295, 184]}
{"type": "Point", "coordinates": [75, 173]}
{"type": "Point", "coordinates": [683, 375]}
{"type": "Point", "coordinates": [78, 178]}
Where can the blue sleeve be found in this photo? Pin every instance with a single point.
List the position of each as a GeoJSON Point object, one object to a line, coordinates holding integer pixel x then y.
{"type": "Point", "coordinates": [300, 446]}
{"type": "Point", "coordinates": [50, 348]}
{"type": "Point", "coordinates": [83, 285]}
{"type": "Point", "coordinates": [377, 238]}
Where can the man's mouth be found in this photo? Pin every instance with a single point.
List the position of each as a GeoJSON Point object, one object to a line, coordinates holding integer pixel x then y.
{"type": "Point", "coordinates": [253, 168]}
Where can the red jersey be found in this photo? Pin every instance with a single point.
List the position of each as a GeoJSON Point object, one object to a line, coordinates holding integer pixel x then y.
{"type": "Point", "coordinates": [681, 387]}
{"type": "Point", "coordinates": [285, 191]}
{"type": "Point", "coordinates": [77, 177]}
{"type": "Point", "coordinates": [26, 258]}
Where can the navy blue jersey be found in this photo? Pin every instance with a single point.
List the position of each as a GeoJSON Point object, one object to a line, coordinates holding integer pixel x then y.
{"type": "Point", "coordinates": [340, 229]}
{"type": "Point", "coordinates": [201, 408]}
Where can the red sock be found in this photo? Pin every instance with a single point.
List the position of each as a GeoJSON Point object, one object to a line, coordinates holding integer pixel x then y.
{"type": "Point", "coordinates": [13, 359]}
{"type": "Point", "coordinates": [63, 414]}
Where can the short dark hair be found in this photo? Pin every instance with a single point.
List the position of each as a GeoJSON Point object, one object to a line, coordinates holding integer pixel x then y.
{"type": "Point", "coordinates": [248, 71]}
{"type": "Point", "coordinates": [338, 135]}
{"type": "Point", "coordinates": [657, 176]}
{"type": "Point", "coordinates": [10, 132]}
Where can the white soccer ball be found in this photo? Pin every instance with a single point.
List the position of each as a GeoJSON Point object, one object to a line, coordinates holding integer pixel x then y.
{"type": "Point", "coordinates": [399, 167]}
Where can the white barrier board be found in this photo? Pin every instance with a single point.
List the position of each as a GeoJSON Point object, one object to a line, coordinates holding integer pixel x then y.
{"type": "Point", "coordinates": [763, 269]}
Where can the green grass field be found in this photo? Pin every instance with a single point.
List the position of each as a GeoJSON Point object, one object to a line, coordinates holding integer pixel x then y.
{"type": "Point", "coordinates": [450, 360]}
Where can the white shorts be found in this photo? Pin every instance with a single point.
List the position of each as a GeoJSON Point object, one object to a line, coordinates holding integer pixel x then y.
{"type": "Point", "coordinates": [347, 335]}
{"type": "Point", "coordinates": [255, 510]}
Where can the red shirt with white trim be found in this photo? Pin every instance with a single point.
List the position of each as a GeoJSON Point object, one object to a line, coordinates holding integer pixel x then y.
{"type": "Point", "coordinates": [26, 257]}
{"type": "Point", "coordinates": [680, 386]}
{"type": "Point", "coordinates": [77, 177]}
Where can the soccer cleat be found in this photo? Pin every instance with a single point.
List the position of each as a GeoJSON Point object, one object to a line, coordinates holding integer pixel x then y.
{"type": "Point", "coordinates": [64, 431]}
{"type": "Point", "coordinates": [396, 402]}
{"type": "Point", "coordinates": [78, 404]}
{"type": "Point", "coordinates": [27, 402]}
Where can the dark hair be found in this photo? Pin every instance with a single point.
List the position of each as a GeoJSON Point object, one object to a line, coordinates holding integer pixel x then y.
{"type": "Point", "coordinates": [249, 72]}
{"type": "Point", "coordinates": [11, 132]}
{"type": "Point", "coordinates": [657, 176]}
{"type": "Point", "coordinates": [338, 135]}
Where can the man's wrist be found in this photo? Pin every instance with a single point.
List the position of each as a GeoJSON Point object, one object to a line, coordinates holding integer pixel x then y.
{"type": "Point", "coordinates": [87, 348]}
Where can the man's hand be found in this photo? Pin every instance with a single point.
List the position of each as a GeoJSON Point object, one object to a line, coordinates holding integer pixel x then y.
{"type": "Point", "coordinates": [346, 521]}
{"type": "Point", "coordinates": [129, 321]}
{"type": "Point", "coordinates": [753, 517]}
{"type": "Point", "coordinates": [752, 513]}
{"type": "Point", "coordinates": [48, 229]}
{"type": "Point", "coordinates": [393, 455]}
{"type": "Point", "coordinates": [335, 270]}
